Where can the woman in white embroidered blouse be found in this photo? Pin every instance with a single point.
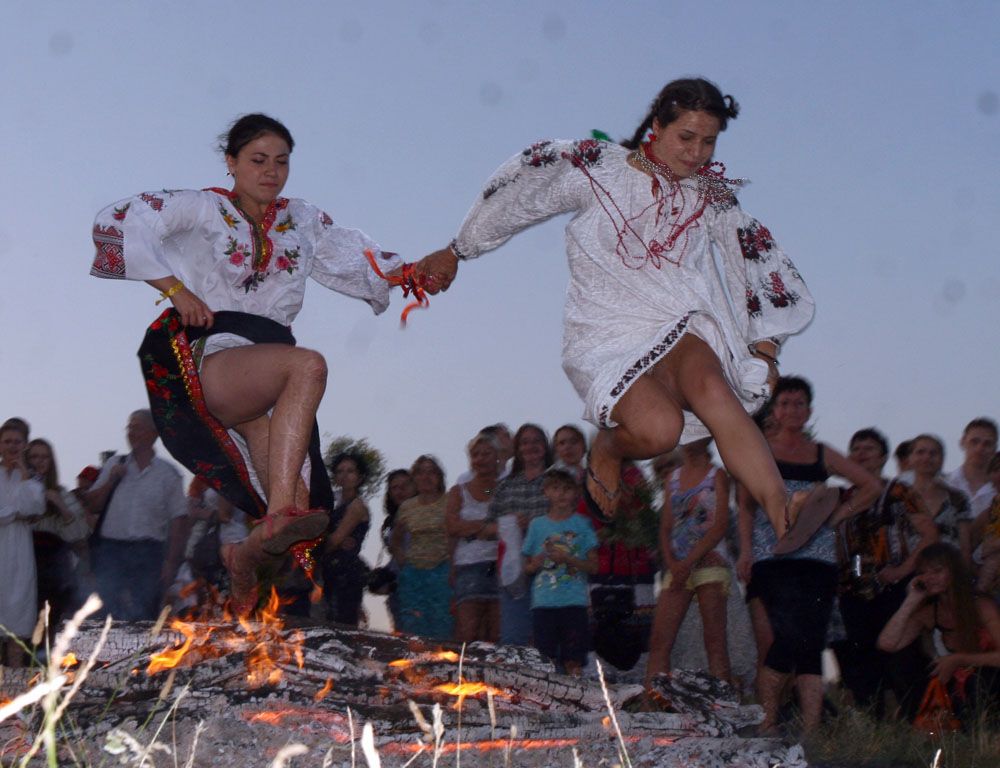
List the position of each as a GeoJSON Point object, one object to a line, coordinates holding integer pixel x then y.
{"type": "Point", "coordinates": [660, 347]}
{"type": "Point", "coordinates": [238, 260]}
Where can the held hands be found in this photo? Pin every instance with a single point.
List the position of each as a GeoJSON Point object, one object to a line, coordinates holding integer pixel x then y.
{"type": "Point", "coordinates": [680, 572]}
{"type": "Point", "coordinates": [437, 270]}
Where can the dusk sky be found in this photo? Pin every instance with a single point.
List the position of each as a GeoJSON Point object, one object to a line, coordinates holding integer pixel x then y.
{"type": "Point", "coordinates": [870, 131]}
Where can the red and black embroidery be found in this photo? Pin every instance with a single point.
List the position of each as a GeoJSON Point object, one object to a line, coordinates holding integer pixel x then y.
{"type": "Point", "coordinates": [119, 214]}
{"type": "Point", "coordinates": [154, 202]}
{"type": "Point", "coordinates": [585, 153]}
{"type": "Point", "coordinates": [641, 365]}
{"type": "Point", "coordinates": [324, 219]}
{"type": "Point", "coordinates": [110, 258]}
{"type": "Point", "coordinates": [755, 241]}
{"type": "Point", "coordinates": [776, 292]}
{"type": "Point", "coordinates": [753, 304]}
{"type": "Point", "coordinates": [539, 154]}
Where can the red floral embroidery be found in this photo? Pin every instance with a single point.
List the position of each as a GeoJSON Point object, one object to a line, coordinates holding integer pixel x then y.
{"type": "Point", "coordinates": [539, 154]}
{"type": "Point", "coordinates": [119, 214]}
{"type": "Point", "coordinates": [753, 303]}
{"type": "Point", "coordinates": [154, 202]}
{"type": "Point", "coordinates": [585, 153]}
{"type": "Point", "coordinates": [755, 241]}
{"type": "Point", "coordinates": [324, 219]}
{"type": "Point", "coordinates": [776, 292]}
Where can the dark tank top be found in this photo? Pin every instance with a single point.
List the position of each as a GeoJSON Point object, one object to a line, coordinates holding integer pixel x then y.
{"type": "Point", "coordinates": [807, 473]}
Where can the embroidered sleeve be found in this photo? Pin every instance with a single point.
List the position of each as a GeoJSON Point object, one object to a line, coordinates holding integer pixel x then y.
{"type": "Point", "coordinates": [340, 263]}
{"type": "Point", "coordinates": [128, 235]}
{"type": "Point", "coordinates": [771, 298]}
{"type": "Point", "coordinates": [535, 185]}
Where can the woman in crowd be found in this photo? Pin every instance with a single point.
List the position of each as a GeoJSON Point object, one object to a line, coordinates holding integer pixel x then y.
{"type": "Point", "coordinates": [421, 549]}
{"type": "Point", "coordinates": [22, 501]}
{"type": "Point", "coordinates": [940, 601]}
{"type": "Point", "coordinates": [693, 552]}
{"type": "Point", "coordinates": [398, 488]}
{"type": "Point", "coordinates": [474, 558]}
{"type": "Point", "coordinates": [652, 343]}
{"type": "Point", "coordinates": [878, 550]}
{"type": "Point", "coordinates": [948, 506]}
{"type": "Point", "coordinates": [570, 447]}
{"type": "Point", "coordinates": [58, 535]}
{"type": "Point", "coordinates": [517, 501]}
{"type": "Point", "coordinates": [344, 573]}
{"type": "Point", "coordinates": [232, 396]}
{"type": "Point", "coordinates": [797, 589]}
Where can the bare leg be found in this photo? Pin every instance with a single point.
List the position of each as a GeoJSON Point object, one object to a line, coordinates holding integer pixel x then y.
{"type": "Point", "coordinates": [770, 684]}
{"type": "Point", "coordinates": [712, 605]}
{"type": "Point", "coordinates": [762, 634]}
{"type": "Point", "coordinates": [810, 688]}
{"type": "Point", "coordinates": [649, 423]}
{"type": "Point", "coordinates": [241, 385]}
{"type": "Point", "coordinates": [671, 607]}
{"type": "Point", "coordinates": [693, 373]}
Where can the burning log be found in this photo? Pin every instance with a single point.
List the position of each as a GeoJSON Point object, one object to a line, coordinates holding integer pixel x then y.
{"type": "Point", "coordinates": [268, 680]}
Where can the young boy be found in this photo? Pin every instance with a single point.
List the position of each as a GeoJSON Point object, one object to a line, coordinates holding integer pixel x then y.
{"type": "Point", "coordinates": [560, 549]}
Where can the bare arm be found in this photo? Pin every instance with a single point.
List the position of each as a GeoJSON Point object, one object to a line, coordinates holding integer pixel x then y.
{"type": "Point", "coordinates": [465, 529]}
{"type": "Point", "coordinates": [396, 539]}
{"type": "Point", "coordinates": [867, 487]}
{"type": "Point", "coordinates": [193, 311]}
{"type": "Point", "coordinates": [906, 623]}
{"type": "Point", "coordinates": [744, 520]}
{"type": "Point", "coordinates": [356, 513]}
{"type": "Point", "coordinates": [714, 534]}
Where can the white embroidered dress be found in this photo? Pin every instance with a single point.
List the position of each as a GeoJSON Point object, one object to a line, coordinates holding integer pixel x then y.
{"type": "Point", "coordinates": [642, 272]}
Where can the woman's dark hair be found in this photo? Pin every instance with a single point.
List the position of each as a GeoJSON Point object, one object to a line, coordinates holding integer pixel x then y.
{"type": "Point", "coordinates": [903, 450]}
{"type": "Point", "coordinates": [571, 428]}
{"type": "Point", "coordinates": [686, 95]}
{"type": "Point", "coordinates": [389, 505]}
{"type": "Point", "coordinates": [250, 127]}
{"type": "Point", "coordinates": [517, 465]}
{"type": "Point", "coordinates": [792, 384]}
{"type": "Point", "coordinates": [426, 458]}
{"type": "Point", "coordinates": [929, 438]}
{"type": "Point", "coordinates": [359, 461]}
{"type": "Point", "coordinates": [963, 598]}
{"type": "Point", "coordinates": [870, 433]}
{"type": "Point", "coordinates": [994, 464]}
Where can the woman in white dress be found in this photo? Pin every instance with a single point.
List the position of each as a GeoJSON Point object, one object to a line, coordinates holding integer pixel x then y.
{"type": "Point", "coordinates": [234, 400]}
{"type": "Point", "coordinates": [661, 347]}
{"type": "Point", "coordinates": [22, 501]}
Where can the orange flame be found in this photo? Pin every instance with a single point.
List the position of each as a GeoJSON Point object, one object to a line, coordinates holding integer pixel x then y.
{"type": "Point", "coordinates": [69, 661]}
{"type": "Point", "coordinates": [324, 691]}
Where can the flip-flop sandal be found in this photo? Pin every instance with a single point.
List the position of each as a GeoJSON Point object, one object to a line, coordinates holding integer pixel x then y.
{"type": "Point", "coordinates": [592, 506]}
{"type": "Point", "coordinates": [302, 525]}
{"type": "Point", "coordinates": [815, 510]}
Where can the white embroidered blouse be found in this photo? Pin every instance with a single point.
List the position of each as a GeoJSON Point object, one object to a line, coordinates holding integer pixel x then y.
{"type": "Point", "coordinates": [642, 272]}
{"type": "Point", "coordinates": [229, 261]}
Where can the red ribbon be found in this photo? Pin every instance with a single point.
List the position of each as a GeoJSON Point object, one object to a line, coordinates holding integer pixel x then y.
{"type": "Point", "coordinates": [408, 280]}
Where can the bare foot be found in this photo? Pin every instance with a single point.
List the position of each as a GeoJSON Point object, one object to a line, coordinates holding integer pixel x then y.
{"type": "Point", "coordinates": [277, 532]}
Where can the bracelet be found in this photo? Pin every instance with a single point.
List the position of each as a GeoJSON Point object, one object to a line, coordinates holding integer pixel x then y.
{"type": "Point", "coordinates": [169, 292]}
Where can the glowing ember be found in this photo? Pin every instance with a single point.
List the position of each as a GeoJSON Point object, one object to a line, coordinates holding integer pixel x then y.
{"type": "Point", "coordinates": [304, 720]}
{"type": "Point", "coordinates": [69, 661]}
{"type": "Point", "coordinates": [425, 658]}
{"type": "Point", "coordinates": [461, 690]}
{"type": "Point", "coordinates": [484, 746]}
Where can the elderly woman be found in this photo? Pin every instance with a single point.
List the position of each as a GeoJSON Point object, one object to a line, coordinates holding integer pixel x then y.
{"type": "Point", "coordinates": [940, 601]}
{"type": "Point", "coordinates": [661, 347]}
{"type": "Point", "coordinates": [22, 500]}
{"type": "Point", "coordinates": [234, 399]}
{"type": "Point", "coordinates": [474, 558]}
{"type": "Point", "coordinates": [421, 548]}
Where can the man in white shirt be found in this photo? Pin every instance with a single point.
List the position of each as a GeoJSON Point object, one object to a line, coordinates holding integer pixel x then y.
{"type": "Point", "coordinates": [979, 443]}
{"type": "Point", "coordinates": [144, 526]}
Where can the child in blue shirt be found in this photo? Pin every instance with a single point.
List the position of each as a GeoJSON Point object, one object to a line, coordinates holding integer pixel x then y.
{"type": "Point", "coordinates": [560, 549]}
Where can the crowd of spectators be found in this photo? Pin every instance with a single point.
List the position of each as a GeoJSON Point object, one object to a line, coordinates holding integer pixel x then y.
{"type": "Point", "coordinates": [900, 582]}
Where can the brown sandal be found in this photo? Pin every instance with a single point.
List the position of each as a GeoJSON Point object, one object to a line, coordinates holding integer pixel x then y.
{"type": "Point", "coordinates": [807, 512]}
{"type": "Point", "coordinates": [593, 506]}
{"type": "Point", "coordinates": [290, 526]}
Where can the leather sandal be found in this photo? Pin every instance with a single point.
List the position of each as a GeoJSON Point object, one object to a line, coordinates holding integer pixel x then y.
{"type": "Point", "coordinates": [807, 512]}
{"type": "Point", "coordinates": [592, 504]}
{"type": "Point", "coordinates": [290, 526]}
